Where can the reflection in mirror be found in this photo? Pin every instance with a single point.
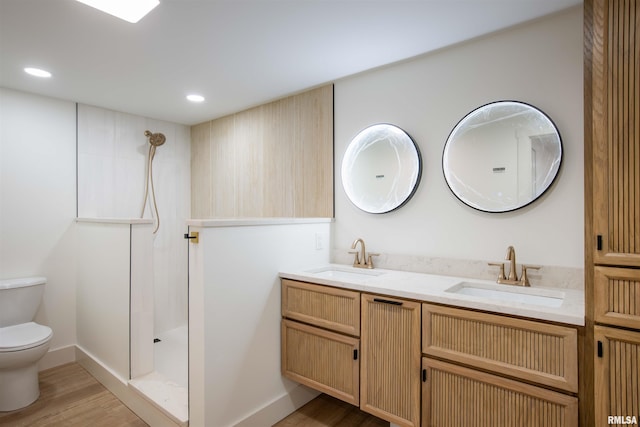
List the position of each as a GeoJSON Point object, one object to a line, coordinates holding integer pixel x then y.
{"type": "Point", "coordinates": [502, 156]}
{"type": "Point", "coordinates": [381, 168]}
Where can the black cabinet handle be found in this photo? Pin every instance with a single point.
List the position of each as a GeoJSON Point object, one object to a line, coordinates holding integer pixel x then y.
{"type": "Point", "coordinates": [424, 375]}
{"type": "Point", "coordinates": [600, 349]}
{"type": "Point", "coordinates": [355, 354]}
{"type": "Point", "coordinates": [386, 301]}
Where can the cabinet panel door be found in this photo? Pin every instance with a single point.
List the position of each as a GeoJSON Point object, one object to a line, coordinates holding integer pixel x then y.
{"type": "Point", "coordinates": [616, 132]}
{"type": "Point", "coordinates": [322, 360]}
{"type": "Point", "coordinates": [533, 351]}
{"type": "Point", "coordinates": [617, 296]}
{"type": "Point", "coordinates": [617, 373]}
{"type": "Point", "coordinates": [390, 365]}
{"type": "Point", "coordinates": [323, 306]}
{"type": "Point", "coordinates": [455, 396]}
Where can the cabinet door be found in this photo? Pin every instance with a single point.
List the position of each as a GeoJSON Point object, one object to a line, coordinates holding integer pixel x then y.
{"type": "Point", "coordinates": [455, 396]}
{"type": "Point", "coordinates": [617, 296]}
{"type": "Point", "coordinates": [617, 374]}
{"type": "Point", "coordinates": [322, 360]}
{"type": "Point", "coordinates": [390, 365]}
{"type": "Point", "coordinates": [615, 119]}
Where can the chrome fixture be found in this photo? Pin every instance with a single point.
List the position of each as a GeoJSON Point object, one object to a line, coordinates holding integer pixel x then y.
{"type": "Point", "coordinates": [361, 260]}
{"type": "Point", "coordinates": [155, 140]}
{"type": "Point", "coordinates": [512, 279]}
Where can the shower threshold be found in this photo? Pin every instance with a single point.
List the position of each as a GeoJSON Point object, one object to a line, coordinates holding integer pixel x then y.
{"type": "Point", "coordinates": [169, 397]}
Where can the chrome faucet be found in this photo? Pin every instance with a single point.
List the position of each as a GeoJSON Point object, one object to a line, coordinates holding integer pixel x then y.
{"type": "Point", "coordinates": [361, 259]}
{"type": "Point", "coordinates": [513, 275]}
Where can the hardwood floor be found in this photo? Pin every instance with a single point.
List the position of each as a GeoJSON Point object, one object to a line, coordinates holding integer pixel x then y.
{"type": "Point", "coordinates": [70, 396]}
{"type": "Point", "coordinates": [325, 411]}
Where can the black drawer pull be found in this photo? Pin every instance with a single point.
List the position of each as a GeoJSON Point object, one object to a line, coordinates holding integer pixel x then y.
{"type": "Point", "coordinates": [386, 301]}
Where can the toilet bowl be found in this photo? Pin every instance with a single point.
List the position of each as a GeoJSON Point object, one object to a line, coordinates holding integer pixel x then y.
{"type": "Point", "coordinates": [22, 342]}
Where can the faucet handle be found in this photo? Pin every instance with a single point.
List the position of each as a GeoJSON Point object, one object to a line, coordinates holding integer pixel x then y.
{"type": "Point", "coordinates": [501, 275]}
{"type": "Point", "coordinates": [370, 261]}
{"type": "Point", "coordinates": [524, 279]}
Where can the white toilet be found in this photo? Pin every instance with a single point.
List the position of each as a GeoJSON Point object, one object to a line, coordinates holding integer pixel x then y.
{"type": "Point", "coordinates": [22, 342]}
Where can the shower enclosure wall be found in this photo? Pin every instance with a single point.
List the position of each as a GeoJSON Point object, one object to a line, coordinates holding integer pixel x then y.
{"type": "Point", "coordinates": [112, 161]}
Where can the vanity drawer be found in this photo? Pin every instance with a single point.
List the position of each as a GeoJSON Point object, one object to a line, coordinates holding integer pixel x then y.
{"type": "Point", "coordinates": [539, 352]}
{"type": "Point", "coordinates": [323, 306]}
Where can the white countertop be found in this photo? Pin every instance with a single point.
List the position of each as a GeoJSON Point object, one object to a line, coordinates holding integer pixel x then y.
{"type": "Point", "coordinates": [433, 288]}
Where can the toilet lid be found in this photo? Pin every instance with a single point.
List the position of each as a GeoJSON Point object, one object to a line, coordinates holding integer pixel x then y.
{"type": "Point", "coordinates": [23, 336]}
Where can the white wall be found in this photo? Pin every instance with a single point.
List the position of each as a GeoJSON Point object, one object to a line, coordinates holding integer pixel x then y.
{"type": "Point", "coordinates": [234, 320]}
{"type": "Point", "coordinates": [539, 63]}
{"type": "Point", "coordinates": [112, 159]}
{"type": "Point", "coordinates": [38, 203]}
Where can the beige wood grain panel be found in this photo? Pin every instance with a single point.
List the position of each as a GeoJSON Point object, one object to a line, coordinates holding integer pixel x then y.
{"type": "Point", "coordinates": [223, 174]}
{"type": "Point", "coordinates": [274, 160]}
{"type": "Point", "coordinates": [390, 365]}
{"type": "Point", "coordinates": [540, 352]}
{"type": "Point", "coordinates": [455, 396]}
{"type": "Point", "coordinates": [281, 151]}
{"type": "Point", "coordinates": [314, 168]}
{"type": "Point", "coordinates": [615, 82]}
{"type": "Point", "coordinates": [201, 181]}
{"type": "Point", "coordinates": [321, 359]}
{"type": "Point", "coordinates": [249, 162]}
{"type": "Point", "coordinates": [324, 306]}
{"type": "Point", "coordinates": [617, 373]}
{"type": "Point", "coordinates": [617, 296]}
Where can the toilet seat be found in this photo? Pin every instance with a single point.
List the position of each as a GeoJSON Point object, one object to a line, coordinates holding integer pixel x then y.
{"type": "Point", "coordinates": [23, 336]}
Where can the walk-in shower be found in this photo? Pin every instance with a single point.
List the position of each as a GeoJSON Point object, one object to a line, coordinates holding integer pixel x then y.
{"type": "Point", "coordinates": [155, 140]}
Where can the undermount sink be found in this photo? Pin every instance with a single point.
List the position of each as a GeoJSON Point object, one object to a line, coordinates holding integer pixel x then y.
{"type": "Point", "coordinates": [539, 297]}
{"type": "Point", "coordinates": [345, 273]}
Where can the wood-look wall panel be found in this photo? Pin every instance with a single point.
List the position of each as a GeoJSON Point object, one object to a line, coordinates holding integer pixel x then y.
{"type": "Point", "coordinates": [390, 366]}
{"type": "Point", "coordinates": [456, 396]}
{"type": "Point", "coordinates": [274, 160]}
{"type": "Point", "coordinates": [279, 187]}
{"type": "Point", "coordinates": [617, 296]}
{"type": "Point", "coordinates": [222, 170]}
{"type": "Point", "coordinates": [330, 308]}
{"type": "Point", "coordinates": [201, 179]}
{"type": "Point", "coordinates": [546, 354]}
{"type": "Point", "coordinates": [617, 380]}
{"type": "Point", "coordinates": [315, 172]}
{"type": "Point", "coordinates": [321, 359]}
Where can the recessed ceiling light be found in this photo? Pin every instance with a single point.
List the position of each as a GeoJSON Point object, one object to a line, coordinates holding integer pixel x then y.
{"type": "Point", "coordinates": [129, 10]}
{"type": "Point", "coordinates": [37, 72]}
{"type": "Point", "coordinates": [195, 98]}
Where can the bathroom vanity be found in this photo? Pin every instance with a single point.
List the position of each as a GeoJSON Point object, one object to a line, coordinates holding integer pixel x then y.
{"type": "Point", "coordinates": [426, 350]}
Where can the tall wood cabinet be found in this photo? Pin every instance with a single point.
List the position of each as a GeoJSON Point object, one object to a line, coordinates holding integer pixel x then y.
{"type": "Point", "coordinates": [612, 213]}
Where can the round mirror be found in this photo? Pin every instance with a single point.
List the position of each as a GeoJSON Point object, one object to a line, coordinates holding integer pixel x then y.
{"type": "Point", "coordinates": [502, 156]}
{"type": "Point", "coordinates": [381, 168]}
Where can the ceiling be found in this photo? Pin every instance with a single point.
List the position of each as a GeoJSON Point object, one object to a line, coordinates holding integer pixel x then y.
{"type": "Point", "coordinates": [236, 53]}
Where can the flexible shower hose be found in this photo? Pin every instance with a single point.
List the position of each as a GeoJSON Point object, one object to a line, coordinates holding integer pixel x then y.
{"type": "Point", "coordinates": [152, 153]}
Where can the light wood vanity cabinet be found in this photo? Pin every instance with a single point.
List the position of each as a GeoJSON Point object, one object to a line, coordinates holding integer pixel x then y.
{"type": "Point", "coordinates": [322, 352]}
{"type": "Point", "coordinates": [420, 364]}
{"type": "Point", "coordinates": [390, 366]}
{"type": "Point", "coordinates": [532, 353]}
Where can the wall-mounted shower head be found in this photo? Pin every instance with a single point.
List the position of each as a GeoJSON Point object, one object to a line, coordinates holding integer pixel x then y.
{"type": "Point", "coordinates": [155, 139]}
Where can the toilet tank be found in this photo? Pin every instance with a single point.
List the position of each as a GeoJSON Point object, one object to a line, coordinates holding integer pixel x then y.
{"type": "Point", "coordinates": [20, 299]}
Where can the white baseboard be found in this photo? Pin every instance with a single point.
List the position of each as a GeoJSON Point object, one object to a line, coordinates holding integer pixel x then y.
{"type": "Point", "coordinates": [279, 408]}
{"type": "Point", "coordinates": [57, 357]}
{"type": "Point", "coordinates": [120, 388]}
